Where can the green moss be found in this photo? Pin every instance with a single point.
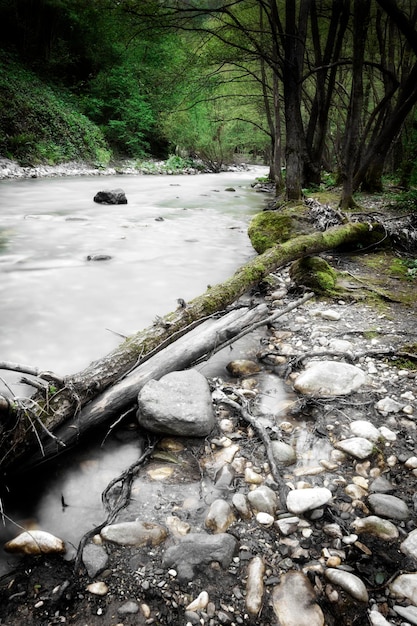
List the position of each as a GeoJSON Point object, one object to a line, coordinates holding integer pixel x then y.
{"type": "Point", "coordinates": [275, 227]}
{"type": "Point", "coordinates": [314, 273]}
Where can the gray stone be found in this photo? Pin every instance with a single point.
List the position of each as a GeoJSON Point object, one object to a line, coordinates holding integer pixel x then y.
{"type": "Point", "coordinates": [352, 584]}
{"type": "Point", "coordinates": [95, 559]}
{"type": "Point", "coordinates": [197, 550]}
{"type": "Point", "coordinates": [388, 405]}
{"type": "Point", "coordinates": [357, 447]}
{"type": "Point", "coordinates": [263, 500]}
{"type": "Point", "coordinates": [283, 452]}
{"type": "Point", "coordinates": [294, 601]}
{"type": "Point", "coordinates": [377, 619]}
{"type": "Point", "coordinates": [219, 516]}
{"type": "Point", "coordinates": [330, 378]}
{"type": "Point", "coordinates": [134, 533]}
{"type": "Point", "coordinates": [381, 485]}
{"type": "Point", "coordinates": [128, 608]}
{"type": "Point", "coordinates": [301, 500]}
{"type": "Point", "coordinates": [388, 506]}
{"type": "Point", "coordinates": [179, 403]}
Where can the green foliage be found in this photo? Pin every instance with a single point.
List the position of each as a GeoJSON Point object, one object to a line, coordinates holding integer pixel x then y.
{"type": "Point", "coordinates": [40, 124]}
{"type": "Point", "coordinates": [116, 102]}
{"type": "Point", "coordinates": [406, 200]}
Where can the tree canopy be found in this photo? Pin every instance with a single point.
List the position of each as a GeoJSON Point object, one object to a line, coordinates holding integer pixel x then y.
{"type": "Point", "coordinates": [310, 86]}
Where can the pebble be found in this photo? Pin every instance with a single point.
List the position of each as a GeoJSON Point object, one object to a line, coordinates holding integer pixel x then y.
{"type": "Point", "coordinates": [294, 601]}
{"type": "Point", "coordinates": [376, 526]}
{"type": "Point", "coordinates": [351, 583]}
{"type": "Point", "coordinates": [407, 612]}
{"type": "Point", "coordinates": [405, 586]}
{"type": "Point", "coordinates": [330, 378]}
{"type": "Point", "coordinates": [240, 503]}
{"type": "Point", "coordinates": [199, 603]}
{"type": "Point", "coordinates": [283, 452]}
{"type": "Point", "coordinates": [390, 506]}
{"type": "Point", "coordinates": [377, 619]}
{"type": "Point", "coordinates": [95, 559]}
{"type": "Point", "coordinates": [219, 516]}
{"type": "Point", "coordinates": [255, 586]}
{"type": "Point", "coordinates": [263, 500]}
{"type": "Point", "coordinates": [35, 542]}
{"type": "Point", "coordinates": [358, 447]}
{"type": "Point", "coordinates": [264, 519]}
{"type": "Point", "coordinates": [128, 608]}
{"type": "Point", "coordinates": [363, 428]}
{"type": "Point", "coordinates": [98, 588]}
{"type": "Point", "coordinates": [388, 405]}
{"type": "Point", "coordinates": [301, 500]}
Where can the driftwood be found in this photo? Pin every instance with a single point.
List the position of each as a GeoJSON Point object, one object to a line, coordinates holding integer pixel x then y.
{"type": "Point", "coordinates": [60, 412]}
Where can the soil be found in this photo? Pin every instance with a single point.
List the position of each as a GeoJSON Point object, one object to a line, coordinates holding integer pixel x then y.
{"type": "Point", "coordinates": [46, 590]}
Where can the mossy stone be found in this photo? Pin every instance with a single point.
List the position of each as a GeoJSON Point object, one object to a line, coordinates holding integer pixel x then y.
{"type": "Point", "coordinates": [270, 228]}
{"type": "Point", "coordinates": [314, 273]}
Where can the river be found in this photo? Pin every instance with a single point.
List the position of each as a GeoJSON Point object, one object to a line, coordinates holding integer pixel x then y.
{"type": "Point", "coordinates": [59, 310]}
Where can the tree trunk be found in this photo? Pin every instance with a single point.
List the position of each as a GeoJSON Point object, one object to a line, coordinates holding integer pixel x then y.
{"type": "Point", "coordinates": [48, 413]}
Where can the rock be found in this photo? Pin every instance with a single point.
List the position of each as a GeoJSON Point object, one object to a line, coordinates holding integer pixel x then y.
{"type": "Point", "coordinates": [283, 452]}
{"type": "Point", "coordinates": [330, 314]}
{"type": "Point", "coordinates": [135, 533]}
{"type": "Point", "coordinates": [294, 601]}
{"type": "Point", "coordinates": [388, 506]}
{"type": "Point", "coordinates": [405, 586]}
{"type": "Point", "coordinates": [178, 404]}
{"type": "Point", "coordinates": [409, 613]}
{"type": "Point", "coordinates": [219, 516]}
{"type": "Point", "coordinates": [263, 500]}
{"type": "Point", "coordinates": [377, 619]}
{"type": "Point", "coordinates": [176, 526]}
{"type": "Point", "coordinates": [95, 559]}
{"type": "Point", "coordinates": [197, 550]}
{"type": "Point", "coordinates": [242, 367]}
{"type": "Point", "coordinates": [381, 485]}
{"type": "Point", "coordinates": [330, 378]}
{"type": "Point", "coordinates": [98, 257]}
{"type": "Point", "coordinates": [409, 545]}
{"type": "Point", "coordinates": [128, 608]}
{"type": "Point", "coordinates": [314, 273]}
{"type": "Point", "coordinates": [111, 196]}
{"type": "Point", "coordinates": [252, 477]}
{"type": "Point", "coordinates": [357, 447]}
{"type": "Point", "coordinates": [199, 603]}
{"type": "Point", "coordinates": [388, 405]}
{"type": "Point", "coordinates": [240, 503]}
{"type": "Point", "coordinates": [352, 584]}
{"type": "Point", "coordinates": [98, 588]}
{"type": "Point", "coordinates": [255, 586]}
{"type": "Point", "coordinates": [288, 525]}
{"type": "Point", "coordinates": [376, 526]}
{"type": "Point", "coordinates": [265, 519]}
{"type": "Point", "coordinates": [301, 500]}
{"type": "Point", "coordinates": [340, 345]}
{"type": "Point", "coordinates": [35, 542]}
{"type": "Point", "coordinates": [363, 428]}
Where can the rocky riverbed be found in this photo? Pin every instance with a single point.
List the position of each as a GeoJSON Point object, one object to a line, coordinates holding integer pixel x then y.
{"type": "Point", "coordinates": [212, 535]}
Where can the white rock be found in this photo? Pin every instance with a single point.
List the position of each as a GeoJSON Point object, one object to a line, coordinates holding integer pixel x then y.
{"type": "Point", "coordinates": [405, 586]}
{"type": "Point", "coordinates": [358, 447]}
{"type": "Point", "coordinates": [377, 619]}
{"type": "Point", "coordinates": [330, 378]}
{"type": "Point", "coordinates": [387, 433]}
{"type": "Point", "coordinates": [252, 477]}
{"type": "Point", "coordinates": [283, 452]}
{"type": "Point", "coordinates": [329, 314]}
{"type": "Point", "coordinates": [409, 545]}
{"type": "Point", "coordinates": [35, 542]}
{"type": "Point", "coordinates": [388, 405]}
{"type": "Point", "coordinates": [255, 586]}
{"type": "Point", "coordinates": [301, 500]}
{"type": "Point", "coordinates": [199, 603]}
{"type": "Point", "coordinates": [407, 612]}
{"type": "Point", "coordinates": [340, 345]}
{"type": "Point", "coordinates": [294, 601]}
{"type": "Point", "coordinates": [264, 519]}
{"type": "Point", "coordinates": [363, 428]}
{"type": "Point", "coordinates": [349, 582]}
{"type": "Point", "coordinates": [135, 533]}
{"type": "Point", "coordinates": [98, 588]}
{"type": "Point", "coordinates": [411, 463]}
{"type": "Point", "coordinates": [376, 526]}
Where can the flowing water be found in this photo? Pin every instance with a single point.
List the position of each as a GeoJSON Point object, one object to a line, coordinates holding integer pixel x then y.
{"type": "Point", "coordinates": [59, 310]}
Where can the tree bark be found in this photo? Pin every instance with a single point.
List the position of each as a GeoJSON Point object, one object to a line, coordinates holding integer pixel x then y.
{"type": "Point", "coordinates": [37, 423]}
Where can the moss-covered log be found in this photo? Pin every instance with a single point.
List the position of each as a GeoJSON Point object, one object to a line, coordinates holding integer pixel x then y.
{"type": "Point", "coordinates": [81, 388]}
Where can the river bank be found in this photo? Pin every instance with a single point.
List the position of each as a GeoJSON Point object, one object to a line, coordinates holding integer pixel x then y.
{"type": "Point", "coordinates": [12, 170]}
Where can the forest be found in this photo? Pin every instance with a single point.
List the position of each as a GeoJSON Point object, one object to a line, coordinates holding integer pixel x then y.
{"type": "Point", "coordinates": [323, 91]}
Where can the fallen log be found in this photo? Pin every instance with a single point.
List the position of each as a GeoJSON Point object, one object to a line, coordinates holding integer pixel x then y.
{"type": "Point", "coordinates": [37, 425]}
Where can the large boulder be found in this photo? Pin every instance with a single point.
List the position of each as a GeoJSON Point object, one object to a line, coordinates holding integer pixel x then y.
{"type": "Point", "coordinates": [111, 196]}
{"type": "Point", "coordinates": [179, 403]}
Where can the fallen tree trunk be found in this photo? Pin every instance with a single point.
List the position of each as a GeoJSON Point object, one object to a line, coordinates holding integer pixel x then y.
{"type": "Point", "coordinates": [50, 409]}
